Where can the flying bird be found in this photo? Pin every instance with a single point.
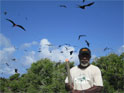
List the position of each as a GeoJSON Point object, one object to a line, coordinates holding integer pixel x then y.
{"type": "Point", "coordinates": [59, 45]}
{"type": "Point", "coordinates": [83, 0]}
{"type": "Point", "coordinates": [13, 59]}
{"type": "Point", "coordinates": [83, 7]}
{"type": "Point", "coordinates": [39, 51]}
{"type": "Point", "coordinates": [5, 13]}
{"type": "Point", "coordinates": [14, 25]}
{"type": "Point", "coordinates": [71, 52]}
{"type": "Point", "coordinates": [16, 70]}
{"type": "Point", "coordinates": [66, 48]}
{"type": "Point", "coordinates": [88, 44]}
{"type": "Point", "coordinates": [67, 44]}
{"type": "Point", "coordinates": [107, 48]}
{"type": "Point", "coordinates": [61, 52]}
{"type": "Point", "coordinates": [7, 64]}
{"type": "Point", "coordinates": [63, 6]}
{"type": "Point", "coordinates": [49, 44]}
{"type": "Point", "coordinates": [81, 36]}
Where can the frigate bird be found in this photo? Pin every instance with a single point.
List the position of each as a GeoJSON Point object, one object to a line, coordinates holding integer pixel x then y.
{"type": "Point", "coordinates": [83, 6]}
{"type": "Point", "coordinates": [63, 6]}
{"type": "Point", "coordinates": [14, 25]}
{"type": "Point", "coordinates": [81, 36]}
{"type": "Point", "coordinates": [88, 44]}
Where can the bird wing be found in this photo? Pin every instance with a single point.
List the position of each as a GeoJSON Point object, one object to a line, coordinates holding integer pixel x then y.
{"type": "Point", "coordinates": [87, 43]}
{"type": "Point", "coordinates": [63, 6]}
{"type": "Point", "coordinates": [21, 27]}
{"type": "Point", "coordinates": [90, 4]}
{"type": "Point", "coordinates": [105, 48]}
{"type": "Point", "coordinates": [83, 0]}
{"type": "Point", "coordinates": [80, 36]}
{"type": "Point", "coordinates": [11, 21]}
{"type": "Point", "coordinates": [71, 52]}
{"type": "Point", "coordinates": [82, 7]}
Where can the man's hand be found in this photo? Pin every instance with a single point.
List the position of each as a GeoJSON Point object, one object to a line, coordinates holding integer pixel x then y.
{"type": "Point", "coordinates": [69, 87]}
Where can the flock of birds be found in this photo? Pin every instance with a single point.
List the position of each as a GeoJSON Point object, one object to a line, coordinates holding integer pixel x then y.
{"type": "Point", "coordinates": [81, 6]}
{"type": "Point", "coordinates": [17, 25]}
{"type": "Point", "coordinates": [50, 45]}
{"type": "Point", "coordinates": [66, 45]}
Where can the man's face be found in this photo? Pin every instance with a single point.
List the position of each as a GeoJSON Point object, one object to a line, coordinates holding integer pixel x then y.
{"type": "Point", "coordinates": [84, 60]}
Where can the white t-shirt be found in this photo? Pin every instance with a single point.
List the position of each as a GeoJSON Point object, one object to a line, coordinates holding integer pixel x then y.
{"type": "Point", "coordinates": [85, 78]}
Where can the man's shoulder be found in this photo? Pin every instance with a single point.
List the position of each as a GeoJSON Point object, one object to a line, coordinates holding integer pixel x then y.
{"type": "Point", "coordinates": [94, 67]}
{"type": "Point", "coordinates": [74, 68]}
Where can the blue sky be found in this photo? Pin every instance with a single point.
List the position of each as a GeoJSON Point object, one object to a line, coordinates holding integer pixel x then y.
{"type": "Point", "coordinates": [46, 22]}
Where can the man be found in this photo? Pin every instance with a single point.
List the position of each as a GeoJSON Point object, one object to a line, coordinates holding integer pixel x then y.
{"type": "Point", "coordinates": [86, 78]}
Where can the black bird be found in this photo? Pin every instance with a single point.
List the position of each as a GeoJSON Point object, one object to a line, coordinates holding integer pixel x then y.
{"type": "Point", "coordinates": [83, 0]}
{"type": "Point", "coordinates": [5, 13]}
{"type": "Point", "coordinates": [71, 52]}
{"type": "Point", "coordinates": [14, 25]}
{"type": "Point", "coordinates": [107, 48]}
{"type": "Point", "coordinates": [67, 44]}
{"type": "Point", "coordinates": [88, 44]}
{"type": "Point", "coordinates": [63, 6]}
{"type": "Point", "coordinates": [83, 7]}
{"type": "Point", "coordinates": [59, 45]}
{"type": "Point", "coordinates": [39, 51]}
{"type": "Point", "coordinates": [61, 52]}
{"type": "Point", "coordinates": [7, 64]}
{"type": "Point", "coordinates": [49, 44]}
{"type": "Point", "coordinates": [64, 44]}
{"type": "Point", "coordinates": [13, 59]}
{"type": "Point", "coordinates": [66, 48]}
{"type": "Point", "coordinates": [81, 36]}
{"type": "Point", "coordinates": [16, 70]}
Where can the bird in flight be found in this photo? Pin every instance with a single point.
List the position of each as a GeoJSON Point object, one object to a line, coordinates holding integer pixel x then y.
{"type": "Point", "coordinates": [81, 36]}
{"type": "Point", "coordinates": [63, 6]}
{"type": "Point", "coordinates": [7, 64]}
{"type": "Point", "coordinates": [83, 7]}
{"type": "Point", "coordinates": [5, 13]}
{"type": "Point", "coordinates": [88, 44]}
{"type": "Point", "coordinates": [83, 0]}
{"type": "Point", "coordinates": [14, 25]}
{"type": "Point", "coordinates": [13, 59]}
{"type": "Point", "coordinates": [16, 70]}
{"type": "Point", "coordinates": [71, 52]}
{"type": "Point", "coordinates": [49, 44]}
{"type": "Point", "coordinates": [107, 48]}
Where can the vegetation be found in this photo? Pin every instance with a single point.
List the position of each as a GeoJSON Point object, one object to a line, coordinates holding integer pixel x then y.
{"type": "Point", "coordinates": [46, 76]}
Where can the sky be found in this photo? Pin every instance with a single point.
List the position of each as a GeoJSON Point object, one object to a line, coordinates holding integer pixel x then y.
{"type": "Point", "coordinates": [47, 23]}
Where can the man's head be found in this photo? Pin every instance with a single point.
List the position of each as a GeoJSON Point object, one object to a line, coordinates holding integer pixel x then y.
{"type": "Point", "coordinates": [84, 57]}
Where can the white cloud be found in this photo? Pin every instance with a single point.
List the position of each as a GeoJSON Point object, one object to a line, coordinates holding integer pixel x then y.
{"type": "Point", "coordinates": [93, 56]}
{"type": "Point", "coordinates": [26, 45]}
{"type": "Point", "coordinates": [121, 49]}
{"type": "Point", "coordinates": [55, 53]}
{"type": "Point", "coordinates": [7, 70]}
{"type": "Point", "coordinates": [29, 58]}
{"type": "Point", "coordinates": [4, 42]}
{"type": "Point", "coordinates": [6, 53]}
